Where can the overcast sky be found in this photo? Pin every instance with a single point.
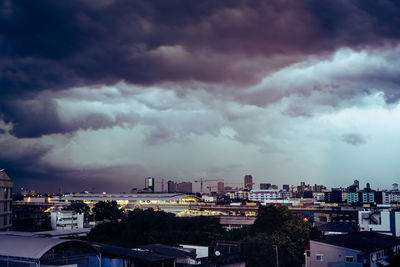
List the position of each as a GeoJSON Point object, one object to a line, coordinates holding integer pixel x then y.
{"type": "Point", "coordinates": [99, 94]}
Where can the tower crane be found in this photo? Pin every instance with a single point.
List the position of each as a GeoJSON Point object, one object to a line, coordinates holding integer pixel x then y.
{"type": "Point", "coordinates": [210, 187]}
{"type": "Point", "coordinates": [201, 181]}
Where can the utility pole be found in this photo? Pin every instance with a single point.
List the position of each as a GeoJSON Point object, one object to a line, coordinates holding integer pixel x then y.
{"type": "Point", "coordinates": [276, 255]}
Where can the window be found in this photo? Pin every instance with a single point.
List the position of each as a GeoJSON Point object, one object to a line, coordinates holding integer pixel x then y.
{"type": "Point", "coordinates": [349, 259]}
{"type": "Point", "coordinates": [319, 257]}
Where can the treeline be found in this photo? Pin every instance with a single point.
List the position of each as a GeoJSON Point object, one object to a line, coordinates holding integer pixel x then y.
{"type": "Point", "coordinates": [274, 228]}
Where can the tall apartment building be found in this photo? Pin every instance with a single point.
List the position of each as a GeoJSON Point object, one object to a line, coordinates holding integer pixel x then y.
{"type": "Point", "coordinates": [184, 187]}
{"type": "Point", "coordinates": [171, 187]}
{"type": "Point", "coordinates": [149, 183]}
{"type": "Point", "coordinates": [221, 187]}
{"type": "Point", "coordinates": [248, 182]}
{"type": "Point", "coordinates": [6, 185]}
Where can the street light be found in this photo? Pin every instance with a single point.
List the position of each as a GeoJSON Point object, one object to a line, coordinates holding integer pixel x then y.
{"type": "Point", "coordinates": [276, 254]}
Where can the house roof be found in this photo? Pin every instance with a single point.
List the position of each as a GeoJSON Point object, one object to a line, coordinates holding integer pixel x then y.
{"type": "Point", "coordinates": [28, 247]}
{"type": "Point", "coordinates": [175, 252]}
{"type": "Point", "coordinates": [343, 227]}
{"type": "Point", "coordinates": [133, 253]}
{"type": "Point", "coordinates": [362, 241]}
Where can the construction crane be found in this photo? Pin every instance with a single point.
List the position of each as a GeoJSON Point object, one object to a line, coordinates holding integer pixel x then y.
{"type": "Point", "coordinates": [210, 187]}
{"type": "Point", "coordinates": [201, 181]}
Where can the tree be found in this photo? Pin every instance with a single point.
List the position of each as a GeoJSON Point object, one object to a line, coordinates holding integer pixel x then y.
{"type": "Point", "coordinates": [143, 227]}
{"type": "Point", "coordinates": [79, 207]}
{"type": "Point", "coordinates": [276, 226]}
{"type": "Point", "coordinates": [106, 210]}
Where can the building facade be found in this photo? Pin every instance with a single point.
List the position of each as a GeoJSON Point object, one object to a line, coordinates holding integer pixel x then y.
{"type": "Point", "coordinates": [248, 182]}
{"type": "Point", "coordinates": [380, 221]}
{"type": "Point", "coordinates": [355, 249]}
{"type": "Point", "coordinates": [149, 183]}
{"type": "Point", "coordinates": [6, 185]}
{"type": "Point", "coordinates": [267, 195]}
{"type": "Point", "coordinates": [66, 219]}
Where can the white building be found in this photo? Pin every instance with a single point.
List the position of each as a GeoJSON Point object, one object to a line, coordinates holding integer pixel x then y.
{"type": "Point", "coordinates": [380, 221]}
{"type": "Point", "coordinates": [66, 219]}
{"type": "Point", "coordinates": [6, 185]}
{"type": "Point", "coordinates": [267, 195]}
{"type": "Point", "coordinates": [391, 197]}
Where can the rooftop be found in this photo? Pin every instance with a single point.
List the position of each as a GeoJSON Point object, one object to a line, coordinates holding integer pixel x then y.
{"type": "Point", "coordinates": [133, 253]}
{"type": "Point", "coordinates": [343, 227]}
{"type": "Point", "coordinates": [33, 247]}
{"type": "Point", "coordinates": [362, 241]}
{"type": "Point", "coordinates": [176, 252]}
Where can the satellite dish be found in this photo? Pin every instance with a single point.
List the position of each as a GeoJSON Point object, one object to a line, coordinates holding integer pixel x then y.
{"type": "Point", "coordinates": [217, 253]}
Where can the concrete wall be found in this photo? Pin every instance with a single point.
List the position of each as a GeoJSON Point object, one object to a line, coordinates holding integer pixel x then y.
{"type": "Point", "coordinates": [389, 222]}
{"type": "Point", "coordinates": [332, 256]}
{"type": "Point", "coordinates": [66, 220]}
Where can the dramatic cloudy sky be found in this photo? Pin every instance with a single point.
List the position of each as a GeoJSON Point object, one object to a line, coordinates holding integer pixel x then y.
{"type": "Point", "coordinates": [99, 94]}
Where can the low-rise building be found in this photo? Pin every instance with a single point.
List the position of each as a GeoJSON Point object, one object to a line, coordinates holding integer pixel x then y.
{"type": "Point", "coordinates": [66, 219]}
{"type": "Point", "coordinates": [355, 249]}
{"type": "Point", "coordinates": [268, 195]}
{"type": "Point", "coordinates": [391, 197]}
{"type": "Point", "coordinates": [6, 185]}
{"type": "Point", "coordinates": [380, 221]}
{"type": "Point", "coordinates": [33, 251]}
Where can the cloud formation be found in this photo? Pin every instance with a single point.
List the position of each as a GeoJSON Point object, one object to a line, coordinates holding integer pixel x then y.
{"type": "Point", "coordinates": [166, 76]}
{"type": "Point", "coordinates": [353, 139]}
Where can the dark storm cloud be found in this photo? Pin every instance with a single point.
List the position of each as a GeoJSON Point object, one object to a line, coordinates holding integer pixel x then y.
{"type": "Point", "coordinates": [54, 45]}
{"type": "Point", "coordinates": [353, 139]}
{"type": "Point", "coordinates": [33, 118]}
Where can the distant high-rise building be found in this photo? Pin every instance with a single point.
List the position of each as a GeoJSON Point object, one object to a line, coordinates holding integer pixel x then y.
{"type": "Point", "coordinates": [149, 183]}
{"type": "Point", "coordinates": [356, 184]}
{"type": "Point", "coordinates": [184, 187]}
{"type": "Point", "coordinates": [171, 187]}
{"type": "Point", "coordinates": [221, 187]}
{"type": "Point", "coordinates": [395, 187]}
{"type": "Point", "coordinates": [6, 185]}
{"type": "Point", "coordinates": [264, 186]}
{"type": "Point", "coordinates": [368, 186]}
{"type": "Point", "coordinates": [286, 187]}
{"type": "Point", "coordinates": [248, 182]}
{"type": "Point", "coordinates": [335, 196]}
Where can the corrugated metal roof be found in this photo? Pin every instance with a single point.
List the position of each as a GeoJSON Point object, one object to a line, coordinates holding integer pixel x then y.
{"type": "Point", "coordinates": [28, 247]}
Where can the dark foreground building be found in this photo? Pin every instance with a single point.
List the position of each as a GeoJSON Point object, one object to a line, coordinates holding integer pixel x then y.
{"type": "Point", "coordinates": [356, 249]}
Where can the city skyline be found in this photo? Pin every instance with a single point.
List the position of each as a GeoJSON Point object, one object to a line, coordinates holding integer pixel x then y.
{"type": "Point", "coordinates": [106, 93]}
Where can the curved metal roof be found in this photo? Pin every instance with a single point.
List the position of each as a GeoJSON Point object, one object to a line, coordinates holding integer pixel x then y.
{"type": "Point", "coordinates": [29, 247]}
